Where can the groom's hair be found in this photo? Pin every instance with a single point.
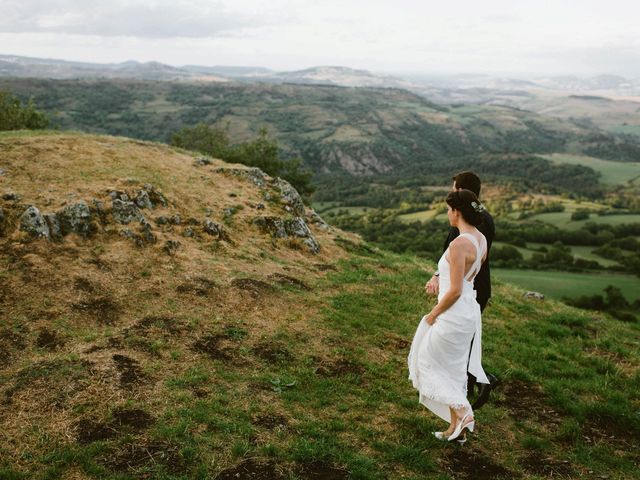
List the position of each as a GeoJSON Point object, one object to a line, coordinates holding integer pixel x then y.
{"type": "Point", "coordinates": [468, 180]}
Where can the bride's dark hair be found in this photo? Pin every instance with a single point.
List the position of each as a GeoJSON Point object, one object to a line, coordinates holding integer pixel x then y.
{"type": "Point", "coordinates": [466, 202]}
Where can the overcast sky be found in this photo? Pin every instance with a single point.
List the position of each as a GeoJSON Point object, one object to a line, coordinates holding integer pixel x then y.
{"type": "Point", "coordinates": [581, 37]}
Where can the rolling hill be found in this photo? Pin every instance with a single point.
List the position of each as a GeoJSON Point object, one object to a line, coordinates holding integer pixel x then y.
{"type": "Point", "coordinates": [170, 316]}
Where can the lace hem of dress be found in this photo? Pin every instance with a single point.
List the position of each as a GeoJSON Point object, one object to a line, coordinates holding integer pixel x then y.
{"type": "Point", "coordinates": [429, 383]}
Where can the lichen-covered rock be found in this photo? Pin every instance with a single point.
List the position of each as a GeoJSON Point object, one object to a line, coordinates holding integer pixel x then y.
{"type": "Point", "coordinates": [162, 220]}
{"type": "Point", "coordinates": [77, 218]}
{"type": "Point", "coordinates": [188, 232]}
{"type": "Point", "coordinates": [125, 212]}
{"type": "Point", "coordinates": [146, 232]}
{"type": "Point", "coordinates": [99, 209]}
{"type": "Point", "coordinates": [155, 196]}
{"type": "Point", "coordinates": [32, 222]}
{"type": "Point", "coordinates": [142, 199]}
{"type": "Point", "coordinates": [118, 195]}
{"type": "Point", "coordinates": [290, 197]}
{"type": "Point", "coordinates": [296, 227]}
{"type": "Point", "coordinates": [175, 220]}
{"type": "Point", "coordinates": [533, 295]}
{"type": "Point", "coordinates": [272, 225]}
{"type": "Point", "coordinates": [55, 229]}
{"type": "Point", "coordinates": [215, 230]}
{"type": "Point", "coordinates": [202, 161]}
{"type": "Point", "coordinates": [253, 174]}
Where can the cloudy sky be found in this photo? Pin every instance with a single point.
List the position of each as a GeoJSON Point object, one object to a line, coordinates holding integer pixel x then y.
{"type": "Point", "coordinates": [398, 36]}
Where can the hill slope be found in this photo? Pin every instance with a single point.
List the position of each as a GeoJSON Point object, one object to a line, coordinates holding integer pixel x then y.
{"type": "Point", "coordinates": [219, 345]}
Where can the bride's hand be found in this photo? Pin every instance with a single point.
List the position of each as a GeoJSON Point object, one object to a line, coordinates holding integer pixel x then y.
{"type": "Point", "coordinates": [429, 318]}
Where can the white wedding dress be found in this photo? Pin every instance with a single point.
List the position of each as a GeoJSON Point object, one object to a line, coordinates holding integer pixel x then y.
{"type": "Point", "coordinates": [439, 356]}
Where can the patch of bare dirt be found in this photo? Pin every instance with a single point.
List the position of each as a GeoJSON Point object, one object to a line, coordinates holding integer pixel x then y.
{"type": "Point", "coordinates": [321, 470]}
{"type": "Point", "coordinates": [598, 427]}
{"type": "Point", "coordinates": [465, 464]}
{"type": "Point", "coordinates": [102, 309]}
{"type": "Point", "coordinates": [215, 346]}
{"type": "Point", "coordinates": [252, 469]}
{"type": "Point", "coordinates": [338, 367]}
{"type": "Point", "coordinates": [273, 352]}
{"type": "Point", "coordinates": [545, 466]}
{"type": "Point", "coordinates": [323, 267]}
{"type": "Point", "coordinates": [135, 456]}
{"type": "Point", "coordinates": [271, 421]}
{"type": "Point", "coordinates": [162, 322]}
{"type": "Point", "coordinates": [49, 340]}
{"type": "Point", "coordinates": [256, 288]}
{"type": "Point", "coordinates": [84, 285]}
{"type": "Point", "coordinates": [199, 286]}
{"type": "Point", "coordinates": [129, 369]}
{"type": "Point", "coordinates": [526, 400]}
{"type": "Point", "coordinates": [395, 342]}
{"type": "Point", "coordinates": [88, 431]}
{"type": "Point", "coordinates": [289, 281]}
{"type": "Point", "coordinates": [132, 417]}
{"type": "Point", "coordinates": [10, 341]}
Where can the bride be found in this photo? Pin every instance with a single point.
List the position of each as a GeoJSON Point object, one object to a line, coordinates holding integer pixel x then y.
{"type": "Point", "coordinates": [439, 355]}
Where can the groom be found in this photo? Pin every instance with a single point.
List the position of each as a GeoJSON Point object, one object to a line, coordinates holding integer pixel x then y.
{"type": "Point", "coordinates": [482, 283]}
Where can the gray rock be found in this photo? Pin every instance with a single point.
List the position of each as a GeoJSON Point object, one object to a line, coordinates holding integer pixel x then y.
{"type": "Point", "coordinates": [118, 195]}
{"type": "Point", "coordinates": [254, 174]}
{"type": "Point", "coordinates": [202, 161]}
{"type": "Point", "coordinates": [99, 209]}
{"type": "Point", "coordinates": [171, 246]}
{"type": "Point", "coordinates": [146, 232]}
{"type": "Point", "coordinates": [533, 295]}
{"type": "Point", "coordinates": [77, 218]}
{"type": "Point", "coordinates": [228, 213]}
{"type": "Point", "coordinates": [296, 227]}
{"type": "Point", "coordinates": [215, 230]}
{"type": "Point", "coordinates": [55, 229]}
{"type": "Point", "coordinates": [162, 220]}
{"type": "Point", "coordinates": [260, 206]}
{"type": "Point", "coordinates": [272, 225]}
{"type": "Point", "coordinates": [188, 232]}
{"type": "Point", "coordinates": [11, 196]}
{"type": "Point", "coordinates": [32, 222]}
{"type": "Point", "coordinates": [126, 212]}
{"type": "Point", "coordinates": [143, 200]}
{"type": "Point", "coordinates": [156, 197]}
{"type": "Point", "coordinates": [290, 197]}
{"type": "Point", "coordinates": [175, 220]}
{"type": "Point", "coordinates": [2, 171]}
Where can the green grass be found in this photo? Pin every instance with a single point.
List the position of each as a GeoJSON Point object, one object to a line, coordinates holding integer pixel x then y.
{"type": "Point", "coordinates": [563, 219]}
{"type": "Point", "coordinates": [613, 173]}
{"type": "Point", "coordinates": [560, 284]}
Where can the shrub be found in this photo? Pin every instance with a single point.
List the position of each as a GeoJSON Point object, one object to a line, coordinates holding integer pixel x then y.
{"type": "Point", "coordinates": [16, 116]}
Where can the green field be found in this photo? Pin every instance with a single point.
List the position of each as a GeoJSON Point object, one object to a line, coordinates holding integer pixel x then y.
{"type": "Point", "coordinates": [421, 216]}
{"type": "Point", "coordinates": [613, 173]}
{"type": "Point", "coordinates": [563, 219]}
{"type": "Point", "coordinates": [563, 284]}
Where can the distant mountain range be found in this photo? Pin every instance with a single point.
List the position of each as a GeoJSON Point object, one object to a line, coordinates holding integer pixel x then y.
{"type": "Point", "coordinates": [467, 88]}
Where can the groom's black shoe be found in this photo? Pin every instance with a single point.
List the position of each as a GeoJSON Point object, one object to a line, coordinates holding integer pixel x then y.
{"type": "Point", "coordinates": [484, 389]}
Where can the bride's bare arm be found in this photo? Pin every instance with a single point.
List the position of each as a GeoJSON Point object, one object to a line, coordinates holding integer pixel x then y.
{"type": "Point", "coordinates": [456, 261]}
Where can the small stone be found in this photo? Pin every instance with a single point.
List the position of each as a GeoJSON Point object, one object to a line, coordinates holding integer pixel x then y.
{"type": "Point", "coordinates": [260, 206]}
{"type": "Point", "coordinates": [215, 229]}
{"type": "Point", "coordinates": [156, 197]}
{"type": "Point", "coordinates": [202, 161]}
{"type": "Point", "coordinates": [2, 171]}
{"type": "Point", "coordinates": [175, 220]}
{"type": "Point", "coordinates": [118, 195]}
{"type": "Point", "coordinates": [146, 232]}
{"type": "Point", "coordinates": [534, 295]}
{"type": "Point", "coordinates": [232, 194]}
{"type": "Point", "coordinates": [162, 220]}
{"type": "Point", "coordinates": [11, 196]}
{"type": "Point", "coordinates": [188, 232]}
{"type": "Point", "coordinates": [32, 222]}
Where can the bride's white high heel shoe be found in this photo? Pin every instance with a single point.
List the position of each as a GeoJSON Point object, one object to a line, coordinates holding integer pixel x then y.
{"type": "Point", "coordinates": [443, 437]}
{"type": "Point", "coordinates": [461, 426]}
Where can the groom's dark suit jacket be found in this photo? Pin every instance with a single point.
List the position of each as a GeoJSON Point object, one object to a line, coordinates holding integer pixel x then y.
{"type": "Point", "coordinates": [482, 282]}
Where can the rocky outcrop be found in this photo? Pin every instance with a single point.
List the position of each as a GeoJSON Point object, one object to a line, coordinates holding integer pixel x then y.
{"type": "Point", "coordinates": [288, 228]}
{"type": "Point", "coordinates": [215, 230]}
{"type": "Point", "coordinates": [254, 174]}
{"type": "Point", "coordinates": [55, 229]}
{"type": "Point", "coordinates": [290, 197]}
{"type": "Point", "coordinates": [33, 222]}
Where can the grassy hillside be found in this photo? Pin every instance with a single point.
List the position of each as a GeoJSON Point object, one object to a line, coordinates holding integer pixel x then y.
{"type": "Point", "coordinates": [245, 355]}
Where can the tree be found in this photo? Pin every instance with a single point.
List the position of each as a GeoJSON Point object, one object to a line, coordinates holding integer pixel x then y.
{"type": "Point", "coordinates": [262, 152]}
{"type": "Point", "coordinates": [16, 116]}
